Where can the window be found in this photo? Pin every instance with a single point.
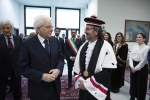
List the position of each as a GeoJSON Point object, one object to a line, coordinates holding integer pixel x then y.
{"type": "Point", "coordinates": [30, 13]}
{"type": "Point", "coordinates": [66, 19]}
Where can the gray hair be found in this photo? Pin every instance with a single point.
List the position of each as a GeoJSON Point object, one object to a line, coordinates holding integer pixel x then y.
{"type": "Point", "coordinates": [39, 20]}
{"type": "Point", "coordinates": [4, 22]}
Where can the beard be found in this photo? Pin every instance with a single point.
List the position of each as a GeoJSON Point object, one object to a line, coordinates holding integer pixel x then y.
{"type": "Point", "coordinates": [57, 34]}
{"type": "Point", "coordinates": [87, 37]}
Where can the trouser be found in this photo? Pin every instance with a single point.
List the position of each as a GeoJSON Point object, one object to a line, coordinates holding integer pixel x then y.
{"type": "Point", "coordinates": [16, 85]}
{"type": "Point", "coordinates": [70, 68]}
{"type": "Point", "coordinates": [54, 96]}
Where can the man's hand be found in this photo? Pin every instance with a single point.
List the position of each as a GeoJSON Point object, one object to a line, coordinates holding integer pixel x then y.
{"type": "Point", "coordinates": [148, 76]}
{"type": "Point", "coordinates": [72, 58]}
{"type": "Point", "coordinates": [54, 72]}
{"type": "Point", "coordinates": [81, 85]}
{"type": "Point", "coordinates": [48, 77]}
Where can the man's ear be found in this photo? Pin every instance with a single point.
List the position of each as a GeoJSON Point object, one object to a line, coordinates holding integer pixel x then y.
{"type": "Point", "coordinates": [96, 32]}
{"type": "Point", "coordinates": [38, 29]}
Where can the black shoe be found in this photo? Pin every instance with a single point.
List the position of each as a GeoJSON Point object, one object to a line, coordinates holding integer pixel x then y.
{"type": "Point", "coordinates": [132, 98]}
{"type": "Point", "coordinates": [68, 86]}
{"type": "Point", "coordinates": [8, 92]}
{"type": "Point", "coordinates": [116, 90]}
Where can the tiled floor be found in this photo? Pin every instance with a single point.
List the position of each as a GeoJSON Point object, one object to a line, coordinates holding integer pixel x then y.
{"type": "Point", "coordinates": [122, 95]}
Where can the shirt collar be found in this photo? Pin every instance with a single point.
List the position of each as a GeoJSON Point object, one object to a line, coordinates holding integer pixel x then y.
{"type": "Point", "coordinates": [142, 45]}
{"type": "Point", "coordinates": [9, 37]}
{"type": "Point", "coordinates": [41, 39]}
{"type": "Point", "coordinates": [57, 36]}
{"type": "Point", "coordinates": [93, 43]}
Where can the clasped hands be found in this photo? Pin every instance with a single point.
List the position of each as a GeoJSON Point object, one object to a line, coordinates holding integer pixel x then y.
{"type": "Point", "coordinates": [133, 70]}
{"type": "Point", "coordinates": [51, 76]}
{"type": "Point", "coordinates": [72, 58]}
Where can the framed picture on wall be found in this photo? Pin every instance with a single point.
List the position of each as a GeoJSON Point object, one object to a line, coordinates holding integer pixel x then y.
{"type": "Point", "coordinates": [134, 27]}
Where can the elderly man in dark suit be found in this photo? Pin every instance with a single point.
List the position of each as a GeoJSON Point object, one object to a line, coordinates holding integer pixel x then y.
{"type": "Point", "coordinates": [9, 54]}
{"type": "Point", "coordinates": [71, 48]}
{"type": "Point", "coordinates": [41, 61]}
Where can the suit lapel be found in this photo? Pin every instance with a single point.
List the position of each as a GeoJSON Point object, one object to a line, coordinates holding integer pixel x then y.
{"type": "Point", "coordinates": [4, 44]}
{"type": "Point", "coordinates": [16, 43]}
{"type": "Point", "coordinates": [38, 46]}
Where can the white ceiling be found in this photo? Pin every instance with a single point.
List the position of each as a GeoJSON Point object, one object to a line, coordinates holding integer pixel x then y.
{"type": "Point", "coordinates": [56, 3]}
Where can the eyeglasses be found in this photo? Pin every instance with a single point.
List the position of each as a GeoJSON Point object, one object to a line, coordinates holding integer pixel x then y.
{"type": "Point", "coordinates": [48, 27]}
{"type": "Point", "coordinates": [74, 32]}
{"type": "Point", "coordinates": [87, 29]}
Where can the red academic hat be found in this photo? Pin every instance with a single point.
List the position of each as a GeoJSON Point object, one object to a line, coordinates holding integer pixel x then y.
{"type": "Point", "coordinates": [93, 21]}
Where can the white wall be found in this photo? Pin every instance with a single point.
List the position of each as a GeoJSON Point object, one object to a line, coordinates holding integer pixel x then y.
{"type": "Point", "coordinates": [82, 23]}
{"type": "Point", "coordinates": [92, 8]}
{"type": "Point", "coordinates": [9, 9]}
{"type": "Point", "coordinates": [21, 19]}
{"type": "Point", "coordinates": [115, 12]}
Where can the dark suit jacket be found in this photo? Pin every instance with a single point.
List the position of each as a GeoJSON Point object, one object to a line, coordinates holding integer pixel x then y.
{"type": "Point", "coordinates": [61, 41]}
{"type": "Point", "coordinates": [68, 50]}
{"type": "Point", "coordinates": [8, 61]}
{"type": "Point", "coordinates": [34, 61]}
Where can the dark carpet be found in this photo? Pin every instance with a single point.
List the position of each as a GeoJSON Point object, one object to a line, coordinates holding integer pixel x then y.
{"type": "Point", "coordinates": [71, 94]}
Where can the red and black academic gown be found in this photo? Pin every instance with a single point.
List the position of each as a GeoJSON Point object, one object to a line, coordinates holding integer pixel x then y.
{"type": "Point", "coordinates": [100, 66]}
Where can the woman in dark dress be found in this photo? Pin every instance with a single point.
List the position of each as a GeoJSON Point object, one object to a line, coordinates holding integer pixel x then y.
{"type": "Point", "coordinates": [107, 37]}
{"type": "Point", "coordinates": [121, 51]}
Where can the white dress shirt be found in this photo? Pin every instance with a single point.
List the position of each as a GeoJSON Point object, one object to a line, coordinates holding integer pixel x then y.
{"type": "Point", "coordinates": [41, 39]}
{"type": "Point", "coordinates": [57, 37]}
{"type": "Point", "coordinates": [139, 53]}
{"type": "Point", "coordinates": [89, 52]}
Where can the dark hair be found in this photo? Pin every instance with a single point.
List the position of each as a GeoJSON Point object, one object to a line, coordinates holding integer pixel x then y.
{"type": "Point", "coordinates": [73, 29]}
{"type": "Point", "coordinates": [123, 39]}
{"type": "Point", "coordinates": [109, 38]}
{"type": "Point", "coordinates": [144, 37]}
{"type": "Point", "coordinates": [83, 35]}
{"type": "Point", "coordinates": [57, 28]}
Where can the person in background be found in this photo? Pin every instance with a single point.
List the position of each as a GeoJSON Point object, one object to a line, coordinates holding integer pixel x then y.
{"type": "Point", "coordinates": [107, 37]}
{"type": "Point", "coordinates": [21, 35]}
{"type": "Point", "coordinates": [78, 36]}
{"type": "Point", "coordinates": [83, 38]}
{"type": "Point", "coordinates": [94, 63]}
{"type": "Point", "coordinates": [41, 60]}
{"type": "Point", "coordinates": [63, 37]}
{"type": "Point", "coordinates": [9, 56]}
{"type": "Point", "coordinates": [61, 41]}
{"type": "Point", "coordinates": [71, 48]}
{"type": "Point", "coordinates": [0, 29]}
{"type": "Point", "coordinates": [121, 52]}
{"type": "Point", "coordinates": [26, 36]}
{"type": "Point", "coordinates": [32, 34]}
{"type": "Point", "coordinates": [139, 68]}
{"type": "Point", "coordinates": [148, 59]}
